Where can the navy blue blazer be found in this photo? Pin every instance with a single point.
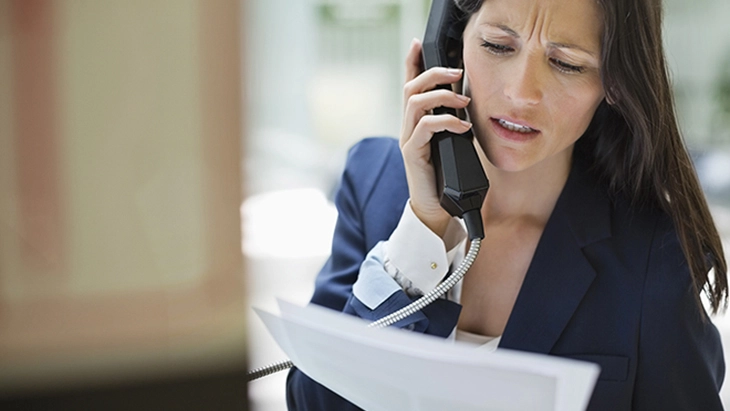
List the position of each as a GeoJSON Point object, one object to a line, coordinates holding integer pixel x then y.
{"type": "Point", "coordinates": [608, 283]}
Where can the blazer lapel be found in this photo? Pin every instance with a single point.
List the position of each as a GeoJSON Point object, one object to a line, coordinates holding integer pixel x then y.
{"type": "Point", "coordinates": [559, 274]}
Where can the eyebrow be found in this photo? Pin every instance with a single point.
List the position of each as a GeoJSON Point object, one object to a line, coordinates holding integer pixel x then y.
{"type": "Point", "coordinates": [503, 28]}
{"type": "Point", "coordinates": [573, 46]}
{"type": "Point", "coordinates": [551, 44]}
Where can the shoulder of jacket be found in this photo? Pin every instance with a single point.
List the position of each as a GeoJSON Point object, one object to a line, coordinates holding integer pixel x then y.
{"type": "Point", "coordinates": [371, 158]}
{"type": "Point", "coordinates": [636, 220]}
{"type": "Point", "coordinates": [372, 147]}
{"type": "Point", "coordinates": [640, 235]}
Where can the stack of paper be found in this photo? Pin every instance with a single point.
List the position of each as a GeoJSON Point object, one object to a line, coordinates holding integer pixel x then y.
{"type": "Point", "coordinates": [391, 369]}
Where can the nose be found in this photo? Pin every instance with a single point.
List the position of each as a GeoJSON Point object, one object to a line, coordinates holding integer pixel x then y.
{"type": "Point", "coordinates": [523, 85]}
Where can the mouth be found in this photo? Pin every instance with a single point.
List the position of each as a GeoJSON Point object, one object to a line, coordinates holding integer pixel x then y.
{"type": "Point", "coordinates": [515, 126]}
{"type": "Point", "coordinates": [513, 130]}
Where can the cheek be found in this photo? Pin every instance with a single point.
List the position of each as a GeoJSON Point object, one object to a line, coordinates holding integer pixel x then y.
{"type": "Point", "coordinates": [482, 78]}
{"type": "Point", "coordinates": [485, 89]}
{"type": "Point", "coordinates": [572, 108]}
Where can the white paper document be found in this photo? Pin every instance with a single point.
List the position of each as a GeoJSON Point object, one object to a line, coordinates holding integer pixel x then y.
{"type": "Point", "coordinates": [392, 369]}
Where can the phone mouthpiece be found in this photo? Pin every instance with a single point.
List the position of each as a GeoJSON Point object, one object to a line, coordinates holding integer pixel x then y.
{"type": "Point", "coordinates": [460, 179]}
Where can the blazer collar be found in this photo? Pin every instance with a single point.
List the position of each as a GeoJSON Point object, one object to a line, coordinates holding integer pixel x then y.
{"type": "Point", "coordinates": [559, 274]}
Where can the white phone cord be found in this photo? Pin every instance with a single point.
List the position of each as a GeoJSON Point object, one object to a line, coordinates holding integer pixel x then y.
{"type": "Point", "coordinates": [404, 312]}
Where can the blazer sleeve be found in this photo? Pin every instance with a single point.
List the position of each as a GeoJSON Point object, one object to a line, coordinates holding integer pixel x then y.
{"type": "Point", "coordinates": [370, 198]}
{"type": "Point", "coordinates": [680, 362]}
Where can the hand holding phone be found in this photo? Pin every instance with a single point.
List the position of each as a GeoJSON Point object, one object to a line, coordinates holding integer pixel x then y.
{"type": "Point", "coordinates": [444, 173]}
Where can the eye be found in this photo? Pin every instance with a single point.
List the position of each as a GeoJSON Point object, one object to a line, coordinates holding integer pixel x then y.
{"type": "Point", "coordinates": [565, 67]}
{"type": "Point", "coordinates": [498, 49]}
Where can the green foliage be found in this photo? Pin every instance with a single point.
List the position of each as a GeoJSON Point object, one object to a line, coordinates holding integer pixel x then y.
{"type": "Point", "coordinates": [357, 14]}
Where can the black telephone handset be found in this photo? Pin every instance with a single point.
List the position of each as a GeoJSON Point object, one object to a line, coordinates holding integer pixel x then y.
{"type": "Point", "coordinates": [460, 179]}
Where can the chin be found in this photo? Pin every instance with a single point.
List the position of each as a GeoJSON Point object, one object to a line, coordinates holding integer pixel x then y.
{"type": "Point", "coordinates": [511, 168]}
{"type": "Point", "coordinates": [508, 159]}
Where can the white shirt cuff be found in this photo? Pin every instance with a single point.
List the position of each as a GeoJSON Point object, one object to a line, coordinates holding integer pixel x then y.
{"type": "Point", "coordinates": [419, 254]}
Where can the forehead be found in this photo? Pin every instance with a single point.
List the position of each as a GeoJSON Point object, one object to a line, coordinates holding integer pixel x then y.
{"type": "Point", "coordinates": [560, 21]}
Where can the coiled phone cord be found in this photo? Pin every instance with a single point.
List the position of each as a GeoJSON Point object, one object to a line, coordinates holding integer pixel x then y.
{"type": "Point", "coordinates": [269, 369]}
{"type": "Point", "coordinates": [404, 312]}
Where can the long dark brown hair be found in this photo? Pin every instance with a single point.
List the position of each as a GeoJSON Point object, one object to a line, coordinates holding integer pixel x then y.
{"type": "Point", "coordinates": [634, 138]}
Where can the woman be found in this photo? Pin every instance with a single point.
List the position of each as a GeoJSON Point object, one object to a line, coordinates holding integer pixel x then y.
{"type": "Point", "coordinates": [598, 240]}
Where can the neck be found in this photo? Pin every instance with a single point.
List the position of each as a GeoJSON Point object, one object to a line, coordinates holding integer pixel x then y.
{"type": "Point", "coordinates": [529, 194]}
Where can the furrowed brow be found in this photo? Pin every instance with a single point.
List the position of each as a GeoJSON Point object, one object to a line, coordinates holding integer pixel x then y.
{"type": "Point", "coordinates": [503, 28]}
{"type": "Point", "coordinates": [573, 46]}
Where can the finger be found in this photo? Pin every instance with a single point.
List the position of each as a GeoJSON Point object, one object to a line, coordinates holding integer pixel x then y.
{"type": "Point", "coordinates": [429, 79]}
{"type": "Point", "coordinates": [419, 105]}
{"type": "Point", "coordinates": [414, 61]}
{"type": "Point", "coordinates": [430, 125]}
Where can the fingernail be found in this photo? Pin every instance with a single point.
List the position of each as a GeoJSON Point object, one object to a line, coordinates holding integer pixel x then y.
{"type": "Point", "coordinates": [465, 123]}
{"type": "Point", "coordinates": [463, 98]}
{"type": "Point", "coordinates": [454, 71]}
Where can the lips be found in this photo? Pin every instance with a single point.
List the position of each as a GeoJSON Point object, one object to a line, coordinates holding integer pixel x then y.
{"type": "Point", "coordinates": [513, 130]}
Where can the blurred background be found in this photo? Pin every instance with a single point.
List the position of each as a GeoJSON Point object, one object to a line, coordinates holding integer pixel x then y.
{"type": "Point", "coordinates": [326, 73]}
{"type": "Point", "coordinates": [153, 151]}
{"type": "Point", "coordinates": [121, 272]}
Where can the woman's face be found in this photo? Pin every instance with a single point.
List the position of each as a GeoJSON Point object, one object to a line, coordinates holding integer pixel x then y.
{"type": "Point", "coordinates": [532, 71]}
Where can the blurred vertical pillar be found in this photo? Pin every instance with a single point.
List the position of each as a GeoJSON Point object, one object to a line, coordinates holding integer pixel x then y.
{"type": "Point", "coordinates": [36, 134]}
{"type": "Point", "coordinates": [120, 186]}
